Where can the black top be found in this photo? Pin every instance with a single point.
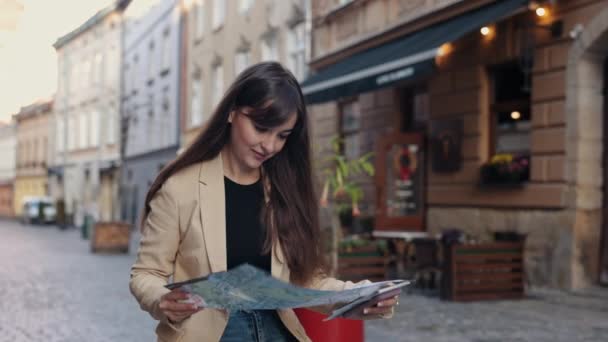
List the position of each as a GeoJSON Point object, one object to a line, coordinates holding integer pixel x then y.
{"type": "Point", "coordinates": [244, 229]}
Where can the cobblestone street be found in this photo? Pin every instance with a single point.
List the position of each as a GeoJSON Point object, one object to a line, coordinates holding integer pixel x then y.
{"type": "Point", "coordinates": [53, 289]}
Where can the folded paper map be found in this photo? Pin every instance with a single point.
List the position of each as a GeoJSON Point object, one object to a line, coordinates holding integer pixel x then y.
{"type": "Point", "coordinates": [249, 288]}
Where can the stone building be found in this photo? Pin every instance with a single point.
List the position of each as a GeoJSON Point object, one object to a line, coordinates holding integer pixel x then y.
{"type": "Point", "coordinates": [504, 78]}
{"type": "Point", "coordinates": [150, 112]}
{"type": "Point", "coordinates": [86, 154]}
{"type": "Point", "coordinates": [32, 152]}
{"type": "Point", "coordinates": [222, 38]}
{"type": "Point", "coordinates": [8, 149]}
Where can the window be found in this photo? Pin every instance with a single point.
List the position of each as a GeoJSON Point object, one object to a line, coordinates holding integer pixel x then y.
{"type": "Point", "coordinates": [269, 49]}
{"type": "Point", "coordinates": [200, 19]}
{"type": "Point", "coordinates": [350, 126]}
{"type": "Point", "coordinates": [127, 84]}
{"type": "Point", "coordinates": [111, 66]}
{"type": "Point", "coordinates": [219, 13]}
{"type": "Point", "coordinates": [134, 79]}
{"type": "Point", "coordinates": [72, 133]}
{"type": "Point", "coordinates": [34, 156]}
{"type": "Point", "coordinates": [510, 110]}
{"type": "Point", "coordinates": [241, 61]}
{"type": "Point", "coordinates": [87, 73]}
{"type": "Point", "coordinates": [151, 61]}
{"type": "Point", "coordinates": [415, 108]}
{"type": "Point", "coordinates": [218, 84]}
{"type": "Point", "coordinates": [73, 78]}
{"type": "Point", "coordinates": [296, 50]}
{"type": "Point", "coordinates": [245, 6]}
{"type": "Point", "coordinates": [166, 52]}
{"type": "Point", "coordinates": [165, 120]}
{"type": "Point", "coordinates": [111, 129]}
{"type": "Point", "coordinates": [59, 134]}
{"type": "Point", "coordinates": [196, 103]}
{"type": "Point", "coordinates": [97, 68]}
{"type": "Point", "coordinates": [83, 131]}
{"type": "Point", "coordinates": [94, 129]}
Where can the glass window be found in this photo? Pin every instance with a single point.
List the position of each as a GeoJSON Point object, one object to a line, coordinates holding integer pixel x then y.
{"type": "Point", "coordinates": [511, 110]}
{"type": "Point", "coordinates": [219, 13]}
{"type": "Point", "coordinates": [269, 49]}
{"type": "Point", "coordinates": [111, 128]}
{"type": "Point", "coordinates": [112, 66]}
{"type": "Point", "coordinates": [97, 68]}
{"type": "Point", "coordinates": [71, 132]}
{"type": "Point", "coordinates": [83, 132]}
{"type": "Point", "coordinates": [151, 61]}
{"type": "Point", "coordinates": [59, 135]}
{"type": "Point", "coordinates": [166, 51]}
{"type": "Point", "coordinates": [296, 50]}
{"type": "Point", "coordinates": [241, 61]}
{"type": "Point", "coordinates": [196, 103]}
{"type": "Point", "coordinates": [200, 19]}
{"type": "Point", "coordinates": [350, 126]}
{"type": "Point", "coordinates": [218, 84]}
{"type": "Point", "coordinates": [245, 6]}
{"type": "Point", "coordinates": [94, 129]}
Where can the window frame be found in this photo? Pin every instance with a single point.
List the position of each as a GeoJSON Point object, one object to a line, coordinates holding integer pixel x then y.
{"type": "Point", "coordinates": [495, 107]}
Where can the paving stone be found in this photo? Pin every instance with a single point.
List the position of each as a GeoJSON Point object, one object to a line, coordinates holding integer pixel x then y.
{"type": "Point", "coordinates": [53, 289]}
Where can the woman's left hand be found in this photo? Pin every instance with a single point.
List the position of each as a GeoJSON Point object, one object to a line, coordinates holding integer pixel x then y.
{"type": "Point", "coordinates": [382, 306]}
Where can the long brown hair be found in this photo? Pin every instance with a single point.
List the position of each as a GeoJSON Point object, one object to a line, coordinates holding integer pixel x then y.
{"type": "Point", "coordinates": [291, 214]}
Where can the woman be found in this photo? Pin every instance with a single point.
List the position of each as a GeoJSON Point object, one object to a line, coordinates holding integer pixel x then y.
{"type": "Point", "coordinates": [242, 192]}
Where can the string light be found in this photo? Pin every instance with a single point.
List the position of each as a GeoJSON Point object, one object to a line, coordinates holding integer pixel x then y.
{"type": "Point", "coordinates": [515, 115]}
{"type": "Point", "coordinates": [485, 30]}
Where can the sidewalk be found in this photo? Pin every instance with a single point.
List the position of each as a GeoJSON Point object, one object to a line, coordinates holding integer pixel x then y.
{"type": "Point", "coordinates": [545, 315]}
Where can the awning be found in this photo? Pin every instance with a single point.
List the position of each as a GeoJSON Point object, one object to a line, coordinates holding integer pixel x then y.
{"type": "Point", "coordinates": [409, 57]}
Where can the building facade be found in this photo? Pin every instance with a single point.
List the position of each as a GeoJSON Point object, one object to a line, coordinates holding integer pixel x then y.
{"type": "Point", "coordinates": [85, 165]}
{"type": "Point", "coordinates": [466, 83]}
{"type": "Point", "coordinates": [150, 116]}
{"type": "Point", "coordinates": [32, 123]}
{"type": "Point", "coordinates": [222, 38]}
{"type": "Point", "coordinates": [8, 148]}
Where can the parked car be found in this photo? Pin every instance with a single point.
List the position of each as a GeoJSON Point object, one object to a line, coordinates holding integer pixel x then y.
{"type": "Point", "coordinates": [38, 210]}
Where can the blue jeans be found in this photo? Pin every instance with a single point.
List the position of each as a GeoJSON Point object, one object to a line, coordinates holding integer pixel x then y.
{"type": "Point", "coordinates": [256, 326]}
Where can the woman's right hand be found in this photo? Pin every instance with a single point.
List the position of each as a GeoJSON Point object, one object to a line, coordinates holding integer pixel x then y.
{"type": "Point", "coordinates": [176, 305]}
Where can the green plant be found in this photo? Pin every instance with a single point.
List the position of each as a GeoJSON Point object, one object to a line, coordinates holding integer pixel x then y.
{"type": "Point", "coordinates": [340, 178]}
{"type": "Point", "coordinates": [506, 169]}
{"type": "Point", "coordinates": [341, 189]}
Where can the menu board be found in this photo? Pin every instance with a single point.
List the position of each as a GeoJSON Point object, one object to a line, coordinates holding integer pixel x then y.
{"type": "Point", "coordinates": [402, 180]}
{"type": "Point", "coordinates": [400, 165]}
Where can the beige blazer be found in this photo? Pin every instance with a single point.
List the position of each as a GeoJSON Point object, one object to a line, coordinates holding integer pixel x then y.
{"type": "Point", "coordinates": [185, 237]}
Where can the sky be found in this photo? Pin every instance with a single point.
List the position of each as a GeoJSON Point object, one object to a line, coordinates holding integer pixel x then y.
{"type": "Point", "coordinates": [28, 62]}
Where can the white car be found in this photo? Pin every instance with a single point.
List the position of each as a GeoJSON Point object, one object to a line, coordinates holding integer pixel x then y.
{"type": "Point", "coordinates": [38, 210]}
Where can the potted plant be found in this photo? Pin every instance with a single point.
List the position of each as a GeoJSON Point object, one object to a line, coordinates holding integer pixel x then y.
{"type": "Point", "coordinates": [341, 191]}
{"type": "Point", "coordinates": [505, 169]}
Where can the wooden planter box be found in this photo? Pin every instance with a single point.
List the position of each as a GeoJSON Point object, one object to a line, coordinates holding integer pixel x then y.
{"type": "Point", "coordinates": [361, 263]}
{"type": "Point", "coordinates": [484, 272]}
{"type": "Point", "coordinates": [111, 237]}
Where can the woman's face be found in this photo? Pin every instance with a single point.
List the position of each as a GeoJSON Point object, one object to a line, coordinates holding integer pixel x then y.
{"type": "Point", "coordinates": [252, 145]}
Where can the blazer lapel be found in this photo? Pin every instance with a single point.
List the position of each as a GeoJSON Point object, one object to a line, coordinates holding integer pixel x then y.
{"type": "Point", "coordinates": [213, 212]}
